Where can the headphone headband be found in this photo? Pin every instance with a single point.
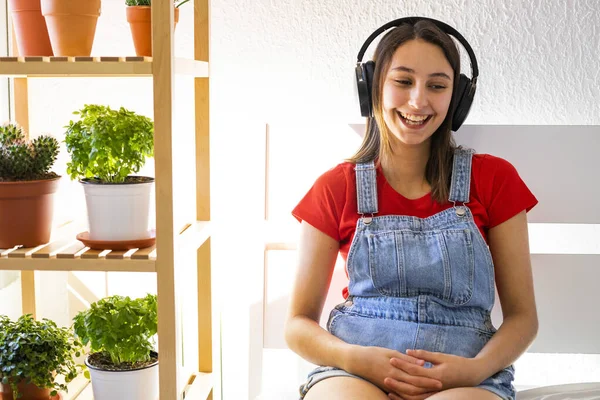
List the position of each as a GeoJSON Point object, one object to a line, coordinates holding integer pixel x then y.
{"type": "Point", "coordinates": [413, 20]}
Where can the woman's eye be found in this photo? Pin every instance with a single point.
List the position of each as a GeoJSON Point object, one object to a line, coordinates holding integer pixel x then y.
{"type": "Point", "coordinates": [403, 82]}
{"type": "Point", "coordinates": [438, 87]}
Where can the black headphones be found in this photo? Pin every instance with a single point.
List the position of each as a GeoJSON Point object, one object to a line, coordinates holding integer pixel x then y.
{"type": "Point", "coordinates": [465, 90]}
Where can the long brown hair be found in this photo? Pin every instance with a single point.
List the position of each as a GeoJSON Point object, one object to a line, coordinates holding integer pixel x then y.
{"type": "Point", "coordinates": [376, 143]}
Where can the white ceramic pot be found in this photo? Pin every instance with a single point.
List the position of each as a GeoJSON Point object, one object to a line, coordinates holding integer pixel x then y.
{"type": "Point", "coordinates": [140, 384]}
{"type": "Point", "coordinates": [118, 212]}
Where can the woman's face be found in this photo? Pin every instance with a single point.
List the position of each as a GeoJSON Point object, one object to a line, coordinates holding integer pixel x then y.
{"type": "Point", "coordinates": [417, 90]}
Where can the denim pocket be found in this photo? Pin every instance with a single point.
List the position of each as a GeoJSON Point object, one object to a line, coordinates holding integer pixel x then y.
{"type": "Point", "coordinates": [407, 263]}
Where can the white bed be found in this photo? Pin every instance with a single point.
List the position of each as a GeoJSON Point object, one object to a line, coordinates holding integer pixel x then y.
{"type": "Point", "coordinates": [579, 391]}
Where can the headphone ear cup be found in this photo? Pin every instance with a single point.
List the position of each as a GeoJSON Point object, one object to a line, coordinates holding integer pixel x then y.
{"type": "Point", "coordinates": [364, 81]}
{"type": "Point", "coordinates": [369, 72]}
{"type": "Point", "coordinates": [465, 92]}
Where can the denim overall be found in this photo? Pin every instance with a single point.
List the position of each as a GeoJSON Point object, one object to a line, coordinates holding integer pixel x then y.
{"type": "Point", "coordinates": [418, 283]}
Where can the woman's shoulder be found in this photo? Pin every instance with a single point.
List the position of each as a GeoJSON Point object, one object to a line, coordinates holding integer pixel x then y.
{"type": "Point", "coordinates": [337, 175]}
{"type": "Point", "coordinates": [499, 187]}
{"type": "Point", "coordinates": [488, 166]}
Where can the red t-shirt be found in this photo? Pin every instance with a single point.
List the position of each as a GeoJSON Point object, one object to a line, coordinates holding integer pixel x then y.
{"type": "Point", "coordinates": [497, 194]}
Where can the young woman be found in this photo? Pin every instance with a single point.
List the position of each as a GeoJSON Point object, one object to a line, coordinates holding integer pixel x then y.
{"type": "Point", "coordinates": [427, 229]}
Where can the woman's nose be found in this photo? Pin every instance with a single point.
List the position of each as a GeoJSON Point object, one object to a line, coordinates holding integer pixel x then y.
{"type": "Point", "coordinates": [418, 98]}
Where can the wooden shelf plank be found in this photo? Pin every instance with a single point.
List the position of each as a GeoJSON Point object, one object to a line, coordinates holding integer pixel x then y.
{"type": "Point", "coordinates": [200, 387]}
{"type": "Point", "coordinates": [76, 264]}
{"type": "Point", "coordinates": [71, 251]}
{"type": "Point", "coordinates": [66, 254]}
{"type": "Point", "coordinates": [77, 387]}
{"type": "Point", "coordinates": [93, 66]}
{"type": "Point", "coordinates": [52, 248]}
{"type": "Point", "coordinates": [75, 66]}
{"type": "Point", "coordinates": [194, 235]}
{"type": "Point", "coordinates": [87, 394]}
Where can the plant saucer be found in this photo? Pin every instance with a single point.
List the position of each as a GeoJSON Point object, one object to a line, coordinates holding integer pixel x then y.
{"type": "Point", "coordinates": [84, 237]}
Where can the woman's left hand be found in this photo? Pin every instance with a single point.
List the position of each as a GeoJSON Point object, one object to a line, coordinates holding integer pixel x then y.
{"type": "Point", "coordinates": [453, 371]}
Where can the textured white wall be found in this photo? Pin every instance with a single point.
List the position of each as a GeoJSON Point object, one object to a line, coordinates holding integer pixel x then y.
{"type": "Point", "coordinates": [538, 59]}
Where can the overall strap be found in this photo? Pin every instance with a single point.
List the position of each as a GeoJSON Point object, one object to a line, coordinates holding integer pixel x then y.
{"type": "Point", "coordinates": [366, 188]}
{"type": "Point", "coordinates": [460, 186]}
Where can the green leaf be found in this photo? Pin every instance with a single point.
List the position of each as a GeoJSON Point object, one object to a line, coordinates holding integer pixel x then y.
{"type": "Point", "coordinates": [121, 327]}
{"type": "Point", "coordinates": [108, 144]}
{"type": "Point", "coordinates": [33, 351]}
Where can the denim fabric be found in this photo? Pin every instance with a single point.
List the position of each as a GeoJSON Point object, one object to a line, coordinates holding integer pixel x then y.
{"type": "Point", "coordinates": [418, 283]}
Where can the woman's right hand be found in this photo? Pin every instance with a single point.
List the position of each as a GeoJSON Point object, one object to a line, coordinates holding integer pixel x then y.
{"type": "Point", "coordinates": [373, 364]}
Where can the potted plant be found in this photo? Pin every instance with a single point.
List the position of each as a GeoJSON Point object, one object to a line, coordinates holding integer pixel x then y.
{"type": "Point", "coordinates": [107, 146]}
{"type": "Point", "coordinates": [31, 32]}
{"type": "Point", "coordinates": [122, 362]}
{"type": "Point", "coordinates": [32, 353]}
{"type": "Point", "coordinates": [26, 187]}
{"type": "Point", "coordinates": [71, 25]}
{"type": "Point", "coordinates": [139, 16]}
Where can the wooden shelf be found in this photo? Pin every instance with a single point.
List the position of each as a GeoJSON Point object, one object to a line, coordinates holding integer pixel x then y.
{"type": "Point", "coordinates": [200, 386]}
{"type": "Point", "coordinates": [80, 388]}
{"type": "Point", "coordinates": [38, 67]}
{"type": "Point", "coordinates": [65, 253]}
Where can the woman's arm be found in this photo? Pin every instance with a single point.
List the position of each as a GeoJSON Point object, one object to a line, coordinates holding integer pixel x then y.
{"type": "Point", "coordinates": [317, 254]}
{"type": "Point", "coordinates": [509, 245]}
{"type": "Point", "coordinates": [316, 262]}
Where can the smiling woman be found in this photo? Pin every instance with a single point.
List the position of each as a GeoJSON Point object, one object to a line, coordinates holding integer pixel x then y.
{"type": "Point", "coordinates": [426, 228]}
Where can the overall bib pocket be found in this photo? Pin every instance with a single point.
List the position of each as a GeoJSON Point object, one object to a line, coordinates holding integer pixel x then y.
{"type": "Point", "coordinates": [406, 263]}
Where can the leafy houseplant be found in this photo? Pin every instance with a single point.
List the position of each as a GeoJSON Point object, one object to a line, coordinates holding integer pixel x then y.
{"type": "Point", "coordinates": [26, 187]}
{"type": "Point", "coordinates": [33, 353]}
{"type": "Point", "coordinates": [139, 16]}
{"type": "Point", "coordinates": [119, 331]}
{"type": "Point", "coordinates": [106, 147]}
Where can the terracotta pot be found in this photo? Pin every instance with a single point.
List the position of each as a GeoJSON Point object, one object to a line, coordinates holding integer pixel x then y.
{"type": "Point", "coordinates": [140, 22]}
{"type": "Point", "coordinates": [26, 210]}
{"type": "Point", "coordinates": [71, 25]}
{"type": "Point", "coordinates": [30, 392]}
{"type": "Point", "coordinates": [31, 32]}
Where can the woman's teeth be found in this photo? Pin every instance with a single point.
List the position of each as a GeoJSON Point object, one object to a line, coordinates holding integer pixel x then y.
{"type": "Point", "coordinates": [414, 119]}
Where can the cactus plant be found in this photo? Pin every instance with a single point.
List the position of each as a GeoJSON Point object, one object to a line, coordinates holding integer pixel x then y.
{"type": "Point", "coordinates": [149, 2]}
{"type": "Point", "coordinates": [24, 160]}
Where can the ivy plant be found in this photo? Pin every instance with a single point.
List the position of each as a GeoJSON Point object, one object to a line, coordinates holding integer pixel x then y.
{"type": "Point", "coordinates": [149, 3]}
{"type": "Point", "coordinates": [108, 145]}
{"type": "Point", "coordinates": [119, 326]}
{"type": "Point", "coordinates": [35, 351]}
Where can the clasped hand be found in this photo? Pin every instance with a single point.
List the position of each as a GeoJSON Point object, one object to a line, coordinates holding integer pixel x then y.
{"type": "Point", "coordinates": [405, 377]}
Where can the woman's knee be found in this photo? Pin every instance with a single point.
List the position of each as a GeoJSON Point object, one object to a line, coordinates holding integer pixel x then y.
{"type": "Point", "coordinates": [465, 394]}
{"type": "Point", "coordinates": [345, 388]}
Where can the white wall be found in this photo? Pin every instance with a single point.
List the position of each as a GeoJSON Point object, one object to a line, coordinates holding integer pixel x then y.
{"type": "Point", "coordinates": [294, 61]}
{"type": "Point", "coordinates": [290, 62]}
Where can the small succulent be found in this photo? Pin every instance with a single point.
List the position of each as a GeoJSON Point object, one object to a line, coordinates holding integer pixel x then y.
{"type": "Point", "coordinates": [24, 160]}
